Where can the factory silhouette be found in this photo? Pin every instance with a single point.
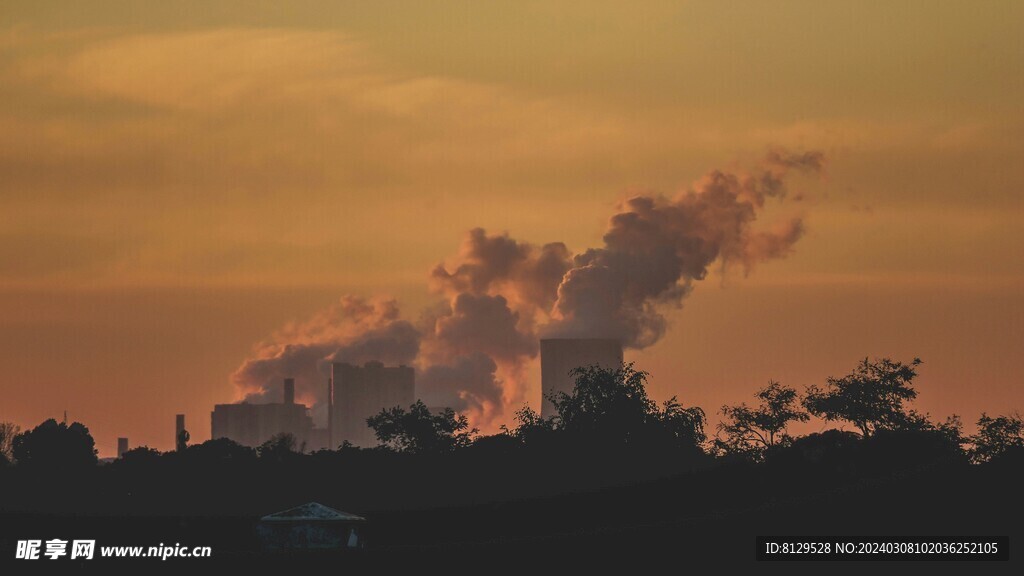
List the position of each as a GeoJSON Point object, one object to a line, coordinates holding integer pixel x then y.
{"type": "Point", "coordinates": [355, 393]}
{"type": "Point", "coordinates": [610, 474]}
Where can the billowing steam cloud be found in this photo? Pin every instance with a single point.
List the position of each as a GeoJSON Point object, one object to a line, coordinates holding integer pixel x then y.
{"type": "Point", "coordinates": [469, 384]}
{"type": "Point", "coordinates": [502, 295]}
{"type": "Point", "coordinates": [353, 330]}
{"type": "Point", "coordinates": [526, 275]}
{"type": "Point", "coordinates": [655, 248]}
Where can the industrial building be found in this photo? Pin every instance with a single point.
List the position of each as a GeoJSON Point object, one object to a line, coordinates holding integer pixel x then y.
{"type": "Point", "coordinates": [254, 424]}
{"type": "Point", "coordinates": [360, 392]}
{"type": "Point", "coordinates": [558, 356]}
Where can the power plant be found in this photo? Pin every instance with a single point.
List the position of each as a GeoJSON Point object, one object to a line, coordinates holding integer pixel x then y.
{"type": "Point", "coordinates": [355, 393]}
{"type": "Point", "coordinates": [363, 391]}
{"type": "Point", "coordinates": [254, 424]}
{"type": "Point", "coordinates": [558, 356]}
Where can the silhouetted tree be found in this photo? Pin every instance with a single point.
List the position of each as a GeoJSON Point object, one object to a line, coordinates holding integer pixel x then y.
{"type": "Point", "coordinates": [495, 444]}
{"type": "Point", "coordinates": [829, 446]}
{"type": "Point", "coordinates": [54, 445]}
{"type": "Point", "coordinates": [996, 436]}
{"type": "Point", "coordinates": [751, 431]}
{"type": "Point", "coordinates": [531, 428]}
{"type": "Point", "coordinates": [219, 449]}
{"type": "Point", "coordinates": [417, 430]}
{"type": "Point", "coordinates": [871, 397]}
{"type": "Point", "coordinates": [278, 447]}
{"type": "Point", "coordinates": [610, 405]}
{"type": "Point", "coordinates": [142, 455]}
{"type": "Point", "coordinates": [8, 430]}
{"type": "Point", "coordinates": [950, 430]}
{"type": "Point", "coordinates": [684, 426]}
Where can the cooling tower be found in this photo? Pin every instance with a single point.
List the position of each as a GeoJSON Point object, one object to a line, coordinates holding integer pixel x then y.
{"type": "Point", "coordinates": [363, 391]}
{"type": "Point", "coordinates": [558, 356]}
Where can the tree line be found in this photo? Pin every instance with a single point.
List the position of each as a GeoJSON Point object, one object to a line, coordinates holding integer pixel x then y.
{"type": "Point", "coordinates": [609, 411]}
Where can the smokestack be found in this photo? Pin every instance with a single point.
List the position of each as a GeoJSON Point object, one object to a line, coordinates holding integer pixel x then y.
{"type": "Point", "coordinates": [122, 446]}
{"type": "Point", "coordinates": [289, 390]}
{"type": "Point", "coordinates": [180, 434]}
{"type": "Point", "coordinates": [330, 413]}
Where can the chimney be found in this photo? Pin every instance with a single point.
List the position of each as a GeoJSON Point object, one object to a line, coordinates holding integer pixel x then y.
{"type": "Point", "coordinates": [330, 414]}
{"type": "Point", "coordinates": [289, 390]}
{"type": "Point", "coordinates": [180, 434]}
{"type": "Point", "coordinates": [122, 446]}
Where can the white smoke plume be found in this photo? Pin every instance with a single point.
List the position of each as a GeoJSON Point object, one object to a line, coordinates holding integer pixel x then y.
{"type": "Point", "coordinates": [501, 295]}
{"type": "Point", "coordinates": [656, 248]}
{"type": "Point", "coordinates": [353, 330]}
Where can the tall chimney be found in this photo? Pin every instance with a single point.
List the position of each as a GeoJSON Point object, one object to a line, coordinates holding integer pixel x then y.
{"type": "Point", "coordinates": [289, 390]}
{"type": "Point", "coordinates": [180, 435]}
{"type": "Point", "coordinates": [122, 446]}
{"type": "Point", "coordinates": [330, 414]}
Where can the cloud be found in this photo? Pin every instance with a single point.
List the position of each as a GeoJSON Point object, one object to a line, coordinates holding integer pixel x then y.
{"type": "Point", "coordinates": [211, 70]}
{"type": "Point", "coordinates": [354, 330]}
{"type": "Point", "coordinates": [529, 275]}
{"type": "Point", "coordinates": [656, 248]}
{"type": "Point", "coordinates": [481, 323]}
{"type": "Point", "coordinates": [468, 384]}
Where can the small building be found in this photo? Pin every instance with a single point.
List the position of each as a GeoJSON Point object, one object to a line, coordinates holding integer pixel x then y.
{"type": "Point", "coordinates": [311, 526]}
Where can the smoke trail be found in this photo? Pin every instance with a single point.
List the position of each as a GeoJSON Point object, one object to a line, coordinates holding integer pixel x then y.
{"type": "Point", "coordinates": [500, 295]}
{"type": "Point", "coordinates": [656, 248]}
{"type": "Point", "coordinates": [526, 275]}
{"type": "Point", "coordinates": [468, 384]}
{"type": "Point", "coordinates": [353, 330]}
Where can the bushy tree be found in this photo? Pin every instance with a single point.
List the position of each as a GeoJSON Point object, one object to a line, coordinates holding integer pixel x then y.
{"type": "Point", "coordinates": [225, 449]}
{"type": "Point", "coordinates": [142, 455]}
{"type": "Point", "coordinates": [750, 431]}
{"type": "Point", "coordinates": [679, 424]}
{"type": "Point", "coordinates": [996, 436]}
{"type": "Point", "coordinates": [530, 427]}
{"type": "Point", "coordinates": [611, 405]}
{"type": "Point", "coordinates": [55, 445]}
{"type": "Point", "coordinates": [871, 397]}
{"type": "Point", "coordinates": [950, 429]}
{"type": "Point", "coordinates": [278, 447]}
{"type": "Point", "coordinates": [417, 430]}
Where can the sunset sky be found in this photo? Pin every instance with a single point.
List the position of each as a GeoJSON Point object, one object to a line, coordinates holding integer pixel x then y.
{"type": "Point", "coordinates": [179, 181]}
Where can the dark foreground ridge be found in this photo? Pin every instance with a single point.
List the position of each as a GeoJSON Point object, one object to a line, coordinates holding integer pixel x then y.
{"type": "Point", "coordinates": [613, 478]}
{"type": "Point", "coordinates": [712, 514]}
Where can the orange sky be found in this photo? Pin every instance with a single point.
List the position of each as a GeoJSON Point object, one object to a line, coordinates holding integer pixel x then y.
{"type": "Point", "coordinates": [177, 182]}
